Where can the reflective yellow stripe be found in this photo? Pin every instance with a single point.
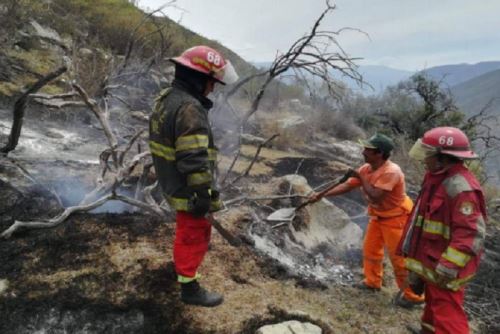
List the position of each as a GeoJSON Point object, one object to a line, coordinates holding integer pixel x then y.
{"type": "Point", "coordinates": [181, 204]}
{"type": "Point", "coordinates": [178, 204]}
{"type": "Point", "coordinates": [185, 279]}
{"type": "Point", "coordinates": [195, 179]}
{"type": "Point", "coordinates": [435, 227]}
{"type": "Point", "coordinates": [215, 205]}
{"type": "Point", "coordinates": [163, 151]}
{"type": "Point", "coordinates": [417, 267]}
{"type": "Point", "coordinates": [212, 154]}
{"type": "Point", "coordinates": [191, 142]}
{"type": "Point", "coordinates": [456, 256]}
{"type": "Point", "coordinates": [456, 284]}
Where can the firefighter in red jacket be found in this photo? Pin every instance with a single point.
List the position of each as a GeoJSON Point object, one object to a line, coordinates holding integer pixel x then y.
{"type": "Point", "coordinates": [443, 240]}
{"type": "Point", "coordinates": [184, 155]}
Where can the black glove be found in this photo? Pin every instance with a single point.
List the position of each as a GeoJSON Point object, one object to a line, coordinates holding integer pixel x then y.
{"type": "Point", "coordinates": [417, 284]}
{"type": "Point", "coordinates": [215, 195]}
{"type": "Point", "coordinates": [350, 173]}
{"type": "Point", "coordinates": [199, 203]}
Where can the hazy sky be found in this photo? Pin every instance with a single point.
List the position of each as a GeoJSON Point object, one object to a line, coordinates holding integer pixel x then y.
{"type": "Point", "coordinates": [404, 34]}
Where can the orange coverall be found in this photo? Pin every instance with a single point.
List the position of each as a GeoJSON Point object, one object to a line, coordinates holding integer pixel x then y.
{"type": "Point", "coordinates": [385, 228]}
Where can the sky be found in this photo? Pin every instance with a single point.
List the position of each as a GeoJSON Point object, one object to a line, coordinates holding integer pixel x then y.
{"type": "Point", "coordinates": [403, 34]}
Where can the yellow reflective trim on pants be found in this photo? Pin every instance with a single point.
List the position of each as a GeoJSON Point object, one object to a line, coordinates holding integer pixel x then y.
{"type": "Point", "coordinates": [163, 151]}
{"type": "Point", "coordinates": [182, 204]}
{"type": "Point", "coordinates": [196, 179]}
{"type": "Point", "coordinates": [178, 204]}
{"type": "Point", "coordinates": [455, 256]}
{"type": "Point", "coordinates": [429, 274]}
{"type": "Point", "coordinates": [185, 279]}
{"type": "Point", "coordinates": [184, 143]}
{"type": "Point", "coordinates": [212, 154]}
{"type": "Point", "coordinates": [435, 227]}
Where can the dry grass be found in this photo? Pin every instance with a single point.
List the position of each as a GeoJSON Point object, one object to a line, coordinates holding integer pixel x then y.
{"type": "Point", "coordinates": [290, 137]}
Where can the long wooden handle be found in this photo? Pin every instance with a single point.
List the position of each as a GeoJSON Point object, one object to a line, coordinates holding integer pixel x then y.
{"type": "Point", "coordinates": [322, 193]}
{"type": "Point", "coordinates": [231, 239]}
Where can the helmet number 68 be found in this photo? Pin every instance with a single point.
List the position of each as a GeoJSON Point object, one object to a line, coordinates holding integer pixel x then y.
{"type": "Point", "coordinates": [443, 140]}
{"type": "Point", "coordinates": [213, 58]}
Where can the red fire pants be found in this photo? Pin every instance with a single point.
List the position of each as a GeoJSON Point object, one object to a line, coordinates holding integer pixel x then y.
{"type": "Point", "coordinates": [444, 312]}
{"type": "Point", "coordinates": [192, 235]}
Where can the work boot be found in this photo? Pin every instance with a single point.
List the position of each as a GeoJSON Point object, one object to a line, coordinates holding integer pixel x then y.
{"type": "Point", "coordinates": [401, 301]}
{"type": "Point", "coordinates": [192, 293]}
{"type": "Point", "coordinates": [362, 286]}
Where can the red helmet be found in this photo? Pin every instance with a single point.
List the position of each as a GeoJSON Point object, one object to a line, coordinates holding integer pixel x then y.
{"type": "Point", "coordinates": [208, 61]}
{"type": "Point", "coordinates": [448, 140]}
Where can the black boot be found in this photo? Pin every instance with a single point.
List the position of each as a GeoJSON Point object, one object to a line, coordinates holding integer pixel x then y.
{"type": "Point", "coordinates": [192, 293]}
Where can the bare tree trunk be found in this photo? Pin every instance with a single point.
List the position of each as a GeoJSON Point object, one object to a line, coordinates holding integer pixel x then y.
{"type": "Point", "coordinates": [20, 106]}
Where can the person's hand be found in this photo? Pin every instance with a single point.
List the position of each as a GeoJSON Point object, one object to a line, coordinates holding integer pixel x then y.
{"type": "Point", "coordinates": [444, 275]}
{"type": "Point", "coordinates": [199, 203]}
{"type": "Point", "coordinates": [352, 173]}
{"type": "Point", "coordinates": [314, 197]}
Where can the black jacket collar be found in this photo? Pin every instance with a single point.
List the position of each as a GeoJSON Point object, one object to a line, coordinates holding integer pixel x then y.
{"type": "Point", "coordinates": [191, 90]}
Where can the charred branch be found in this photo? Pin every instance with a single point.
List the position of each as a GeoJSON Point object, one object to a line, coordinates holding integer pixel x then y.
{"type": "Point", "coordinates": [56, 221]}
{"type": "Point", "coordinates": [20, 106]}
{"type": "Point", "coordinates": [247, 171]}
{"type": "Point", "coordinates": [102, 116]}
{"type": "Point", "coordinates": [309, 54]}
{"type": "Point", "coordinates": [133, 39]}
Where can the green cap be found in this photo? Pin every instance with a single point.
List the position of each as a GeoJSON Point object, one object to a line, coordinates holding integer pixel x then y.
{"type": "Point", "coordinates": [379, 141]}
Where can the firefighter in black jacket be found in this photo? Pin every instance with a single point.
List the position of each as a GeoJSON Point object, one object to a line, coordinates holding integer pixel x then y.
{"type": "Point", "coordinates": [184, 156]}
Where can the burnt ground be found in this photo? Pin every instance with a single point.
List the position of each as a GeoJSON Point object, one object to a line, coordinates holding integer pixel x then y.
{"type": "Point", "coordinates": [112, 273]}
{"type": "Point", "coordinates": [74, 277]}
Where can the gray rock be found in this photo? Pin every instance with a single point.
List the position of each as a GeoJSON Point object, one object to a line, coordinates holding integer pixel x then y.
{"type": "Point", "coordinates": [290, 327]}
{"type": "Point", "coordinates": [46, 33]}
{"type": "Point", "coordinates": [326, 222]}
{"type": "Point", "coordinates": [4, 286]}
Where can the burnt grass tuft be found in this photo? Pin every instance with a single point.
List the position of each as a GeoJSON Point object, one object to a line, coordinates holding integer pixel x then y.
{"type": "Point", "coordinates": [94, 297]}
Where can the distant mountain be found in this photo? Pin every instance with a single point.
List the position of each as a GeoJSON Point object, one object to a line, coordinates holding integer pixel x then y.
{"type": "Point", "coordinates": [453, 75]}
{"type": "Point", "coordinates": [379, 77]}
{"type": "Point", "coordinates": [472, 95]}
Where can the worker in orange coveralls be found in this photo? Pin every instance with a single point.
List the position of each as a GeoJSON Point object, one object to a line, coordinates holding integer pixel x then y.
{"type": "Point", "coordinates": [383, 185]}
{"type": "Point", "coordinates": [443, 241]}
{"type": "Point", "coordinates": [184, 156]}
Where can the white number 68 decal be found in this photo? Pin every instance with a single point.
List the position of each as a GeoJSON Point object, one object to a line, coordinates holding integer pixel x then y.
{"type": "Point", "coordinates": [443, 140]}
{"type": "Point", "coordinates": [213, 58]}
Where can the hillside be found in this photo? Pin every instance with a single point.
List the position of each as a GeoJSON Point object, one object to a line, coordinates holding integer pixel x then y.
{"type": "Point", "coordinates": [379, 77]}
{"type": "Point", "coordinates": [456, 74]}
{"type": "Point", "coordinates": [474, 94]}
{"type": "Point", "coordinates": [96, 39]}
